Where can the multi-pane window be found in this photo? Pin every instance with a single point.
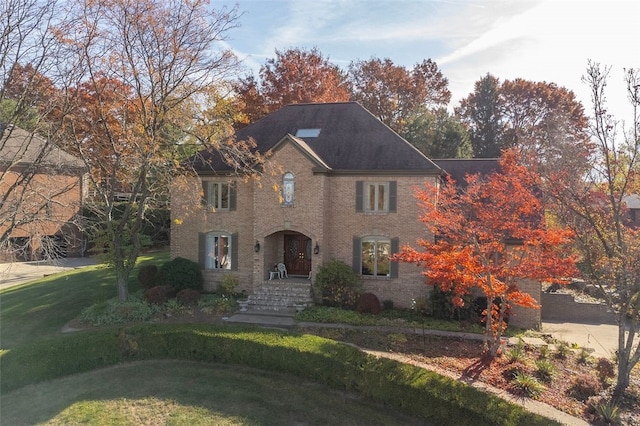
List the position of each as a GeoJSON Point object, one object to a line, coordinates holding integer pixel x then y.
{"type": "Point", "coordinates": [218, 251]}
{"type": "Point", "coordinates": [219, 195]}
{"type": "Point", "coordinates": [288, 189]}
{"type": "Point", "coordinates": [375, 256]}
{"type": "Point", "coordinates": [377, 197]}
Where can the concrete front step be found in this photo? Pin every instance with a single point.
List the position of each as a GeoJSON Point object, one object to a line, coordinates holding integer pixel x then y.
{"type": "Point", "coordinates": [280, 296]}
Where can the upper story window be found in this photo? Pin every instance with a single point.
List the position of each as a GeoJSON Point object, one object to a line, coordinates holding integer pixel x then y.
{"type": "Point", "coordinates": [288, 189]}
{"type": "Point", "coordinates": [219, 195]}
{"type": "Point", "coordinates": [376, 197]}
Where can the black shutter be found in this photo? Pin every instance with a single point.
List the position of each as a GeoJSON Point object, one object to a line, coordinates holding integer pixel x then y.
{"type": "Point", "coordinates": [205, 193]}
{"type": "Point", "coordinates": [393, 196]}
{"type": "Point", "coordinates": [359, 196]}
{"type": "Point", "coordinates": [357, 255]}
{"type": "Point", "coordinates": [232, 196]}
{"type": "Point", "coordinates": [234, 251]}
{"type": "Point", "coordinates": [395, 248]}
{"type": "Point", "coordinates": [202, 250]}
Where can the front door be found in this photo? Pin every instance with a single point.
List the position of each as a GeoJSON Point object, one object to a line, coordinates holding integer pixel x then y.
{"type": "Point", "coordinates": [297, 254]}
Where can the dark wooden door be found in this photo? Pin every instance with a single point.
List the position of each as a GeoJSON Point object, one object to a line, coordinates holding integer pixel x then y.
{"type": "Point", "coordinates": [297, 254]}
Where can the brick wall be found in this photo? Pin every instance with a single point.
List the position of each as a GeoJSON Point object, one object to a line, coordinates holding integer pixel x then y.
{"type": "Point", "coordinates": [49, 207]}
{"type": "Point", "coordinates": [345, 223]}
{"type": "Point", "coordinates": [323, 210]}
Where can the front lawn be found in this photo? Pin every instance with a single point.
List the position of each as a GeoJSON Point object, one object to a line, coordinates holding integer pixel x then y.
{"type": "Point", "coordinates": [41, 308]}
{"type": "Point", "coordinates": [419, 393]}
{"type": "Point", "coordinates": [190, 393]}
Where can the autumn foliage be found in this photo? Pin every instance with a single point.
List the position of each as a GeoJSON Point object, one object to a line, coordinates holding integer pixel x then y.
{"type": "Point", "coordinates": [489, 235]}
{"type": "Point", "coordinates": [294, 76]}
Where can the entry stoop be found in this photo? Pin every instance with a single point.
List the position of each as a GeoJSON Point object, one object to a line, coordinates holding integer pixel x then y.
{"type": "Point", "coordinates": [281, 296]}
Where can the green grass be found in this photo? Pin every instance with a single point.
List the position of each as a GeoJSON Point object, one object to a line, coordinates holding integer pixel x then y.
{"type": "Point", "coordinates": [176, 392]}
{"type": "Point", "coordinates": [417, 392]}
{"type": "Point", "coordinates": [392, 318]}
{"type": "Point", "coordinates": [41, 308]}
{"type": "Point", "coordinates": [37, 355]}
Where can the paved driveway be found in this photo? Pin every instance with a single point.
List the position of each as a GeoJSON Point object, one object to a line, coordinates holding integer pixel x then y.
{"type": "Point", "coordinates": [15, 273]}
{"type": "Point", "coordinates": [602, 338]}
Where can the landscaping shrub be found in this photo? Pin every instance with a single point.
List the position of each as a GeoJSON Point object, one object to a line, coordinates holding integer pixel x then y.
{"type": "Point", "coordinates": [368, 303]}
{"type": "Point", "coordinates": [422, 305]}
{"type": "Point", "coordinates": [527, 385]}
{"type": "Point", "coordinates": [214, 303]}
{"type": "Point", "coordinates": [584, 386]}
{"type": "Point", "coordinates": [583, 356]}
{"type": "Point", "coordinates": [387, 305]}
{"type": "Point", "coordinates": [605, 369]}
{"type": "Point", "coordinates": [337, 285]}
{"type": "Point", "coordinates": [159, 294]}
{"type": "Point", "coordinates": [607, 412]}
{"type": "Point", "coordinates": [114, 312]}
{"type": "Point", "coordinates": [544, 352]}
{"type": "Point", "coordinates": [562, 350]}
{"type": "Point", "coordinates": [516, 353]}
{"type": "Point", "coordinates": [188, 297]}
{"type": "Point", "coordinates": [545, 370]}
{"type": "Point", "coordinates": [181, 273]}
{"type": "Point", "coordinates": [148, 276]}
{"type": "Point", "coordinates": [228, 285]}
{"type": "Point", "coordinates": [441, 306]}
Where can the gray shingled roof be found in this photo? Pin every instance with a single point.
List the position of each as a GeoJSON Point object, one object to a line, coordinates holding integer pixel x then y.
{"type": "Point", "coordinates": [458, 168]}
{"type": "Point", "coordinates": [351, 139]}
{"type": "Point", "coordinates": [19, 147]}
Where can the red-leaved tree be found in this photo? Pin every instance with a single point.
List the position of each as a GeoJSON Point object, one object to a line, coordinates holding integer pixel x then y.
{"type": "Point", "coordinates": [489, 235]}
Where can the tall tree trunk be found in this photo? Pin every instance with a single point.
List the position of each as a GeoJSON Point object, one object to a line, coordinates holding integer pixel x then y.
{"type": "Point", "coordinates": [120, 264]}
{"type": "Point", "coordinates": [627, 356]}
{"type": "Point", "coordinates": [489, 341]}
{"type": "Point", "coordinates": [122, 278]}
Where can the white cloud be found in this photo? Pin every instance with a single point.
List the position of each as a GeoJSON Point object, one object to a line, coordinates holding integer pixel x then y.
{"type": "Point", "coordinates": [539, 40]}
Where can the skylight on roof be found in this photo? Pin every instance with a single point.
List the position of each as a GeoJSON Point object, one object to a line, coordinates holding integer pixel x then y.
{"type": "Point", "coordinates": [307, 133]}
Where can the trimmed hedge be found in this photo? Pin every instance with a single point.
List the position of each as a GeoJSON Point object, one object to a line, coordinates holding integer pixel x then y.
{"type": "Point", "coordinates": [419, 392]}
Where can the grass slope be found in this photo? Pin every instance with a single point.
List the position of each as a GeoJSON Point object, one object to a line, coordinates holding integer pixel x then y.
{"type": "Point", "coordinates": [189, 393]}
{"type": "Point", "coordinates": [41, 308]}
{"type": "Point", "coordinates": [35, 353]}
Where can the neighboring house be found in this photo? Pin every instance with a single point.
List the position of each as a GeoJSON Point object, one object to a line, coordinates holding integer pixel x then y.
{"type": "Point", "coordinates": [633, 204]}
{"type": "Point", "coordinates": [40, 196]}
{"type": "Point", "coordinates": [345, 192]}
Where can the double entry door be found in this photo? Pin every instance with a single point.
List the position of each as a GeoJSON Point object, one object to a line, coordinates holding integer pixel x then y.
{"type": "Point", "coordinates": [297, 254]}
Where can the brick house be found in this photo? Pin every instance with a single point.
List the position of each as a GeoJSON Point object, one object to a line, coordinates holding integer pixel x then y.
{"type": "Point", "coordinates": [345, 192]}
{"type": "Point", "coordinates": [41, 190]}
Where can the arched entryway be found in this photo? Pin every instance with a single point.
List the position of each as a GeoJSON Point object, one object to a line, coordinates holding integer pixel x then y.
{"type": "Point", "coordinates": [297, 253]}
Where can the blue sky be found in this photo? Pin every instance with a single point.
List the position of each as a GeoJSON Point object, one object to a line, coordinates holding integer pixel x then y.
{"type": "Point", "coordinates": [539, 40]}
